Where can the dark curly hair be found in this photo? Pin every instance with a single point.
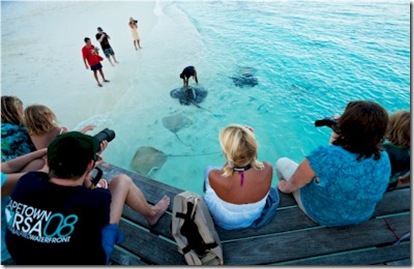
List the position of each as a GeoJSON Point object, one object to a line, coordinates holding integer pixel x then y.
{"type": "Point", "coordinates": [361, 128]}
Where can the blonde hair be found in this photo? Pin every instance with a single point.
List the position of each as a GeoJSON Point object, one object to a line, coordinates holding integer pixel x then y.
{"type": "Point", "coordinates": [10, 106]}
{"type": "Point", "coordinates": [39, 119]}
{"type": "Point", "coordinates": [398, 129]}
{"type": "Point", "coordinates": [239, 146]}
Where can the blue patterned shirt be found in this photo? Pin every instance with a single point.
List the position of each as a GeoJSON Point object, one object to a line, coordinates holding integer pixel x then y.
{"type": "Point", "coordinates": [348, 190]}
{"type": "Point", "coordinates": [15, 141]}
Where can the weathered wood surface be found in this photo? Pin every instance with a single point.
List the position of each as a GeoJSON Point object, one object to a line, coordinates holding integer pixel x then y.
{"type": "Point", "coordinates": [291, 238]}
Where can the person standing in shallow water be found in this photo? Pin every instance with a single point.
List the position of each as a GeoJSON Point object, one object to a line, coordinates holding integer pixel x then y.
{"type": "Point", "coordinates": [91, 57]}
{"type": "Point", "coordinates": [103, 37]}
{"type": "Point", "coordinates": [188, 72]}
{"type": "Point", "coordinates": [133, 24]}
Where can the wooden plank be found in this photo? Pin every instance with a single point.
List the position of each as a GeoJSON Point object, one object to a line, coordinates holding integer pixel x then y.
{"type": "Point", "coordinates": [285, 220]}
{"type": "Point", "coordinates": [291, 219]}
{"type": "Point", "coordinates": [122, 257]}
{"type": "Point", "coordinates": [361, 257]}
{"type": "Point", "coordinates": [395, 201]}
{"type": "Point", "coordinates": [150, 248]}
{"type": "Point", "coordinates": [288, 219]}
{"type": "Point", "coordinates": [320, 241]}
{"type": "Point", "coordinates": [406, 262]}
{"type": "Point", "coordinates": [163, 227]}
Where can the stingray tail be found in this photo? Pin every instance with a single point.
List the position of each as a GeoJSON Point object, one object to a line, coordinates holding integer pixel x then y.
{"type": "Point", "coordinates": [180, 139]}
{"type": "Point", "coordinates": [194, 103]}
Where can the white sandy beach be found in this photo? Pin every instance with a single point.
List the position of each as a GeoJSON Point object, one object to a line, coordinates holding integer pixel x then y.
{"type": "Point", "coordinates": [42, 63]}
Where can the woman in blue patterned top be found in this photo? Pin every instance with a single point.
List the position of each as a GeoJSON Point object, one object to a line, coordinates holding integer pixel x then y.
{"type": "Point", "coordinates": [15, 140]}
{"type": "Point", "coordinates": [341, 183]}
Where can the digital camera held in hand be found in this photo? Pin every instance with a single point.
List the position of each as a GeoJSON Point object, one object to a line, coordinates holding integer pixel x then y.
{"type": "Point", "coordinates": [328, 121]}
{"type": "Point", "coordinates": [105, 134]}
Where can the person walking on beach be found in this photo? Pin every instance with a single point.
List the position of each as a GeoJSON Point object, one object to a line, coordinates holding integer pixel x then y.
{"type": "Point", "coordinates": [133, 24]}
{"type": "Point", "coordinates": [90, 56]}
{"type": "Point", "coordinates": [103, 37]}
{"type": "Point", "coordinates": [188, 72]}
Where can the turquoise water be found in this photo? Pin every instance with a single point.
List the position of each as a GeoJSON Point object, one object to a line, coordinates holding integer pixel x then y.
{"type": "Point", "coordinates": [311, 57]}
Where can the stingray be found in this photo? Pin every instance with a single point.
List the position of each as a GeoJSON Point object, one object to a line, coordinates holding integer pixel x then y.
{"type": "Point", "coordinates": [191, 95]}
{"type": "Point", "coordinates": [147, 160]}
{"type": "Point", "coordinates": [175, 123]}
{"type": "Point", "coordinates": [245, 80]}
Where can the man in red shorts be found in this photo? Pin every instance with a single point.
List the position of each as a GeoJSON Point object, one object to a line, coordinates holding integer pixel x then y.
{"type": "Point", "coordinates": [90, 56]}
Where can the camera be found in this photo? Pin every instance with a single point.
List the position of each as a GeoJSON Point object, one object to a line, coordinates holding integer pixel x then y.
{"type": "Point", "coordinates": [328, 121]}
{"type": "Point", "coordinates": [135, 21]}
{"type": "Point", "coordinates": [105, 134]}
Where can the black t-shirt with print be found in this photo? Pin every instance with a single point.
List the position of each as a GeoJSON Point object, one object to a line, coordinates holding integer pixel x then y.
{"type": "Point", "coordinates": [53, 224]}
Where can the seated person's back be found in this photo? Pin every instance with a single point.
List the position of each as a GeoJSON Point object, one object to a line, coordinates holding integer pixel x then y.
{"type": "Point", "coordinates": [236, 193]}
{"type": "Point", "coordinates": [341, 184]}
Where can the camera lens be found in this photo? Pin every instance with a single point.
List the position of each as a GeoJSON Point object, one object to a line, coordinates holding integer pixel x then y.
{"type": "Point", "coordinates": [105, 134]}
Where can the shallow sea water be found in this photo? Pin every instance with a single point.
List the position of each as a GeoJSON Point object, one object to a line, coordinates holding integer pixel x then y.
{"type": "Point", "coordinates": [311, 57]}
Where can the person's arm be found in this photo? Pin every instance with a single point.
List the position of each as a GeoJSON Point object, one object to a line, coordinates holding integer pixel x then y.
{"type": "Point", "coordinates": [302, 176]}
{"type": "Point", "coordinates": [101, 38]}
{"type": "Point", "coordinates": [89, 127]}
{"type": "Point", "coordinates": [11, 180]}
{"type": "Point", "coordinates": [84, 59]}
{"type": "Point", "coordinates": [195, 76]}
{"type": "Point", "coordinates": [404, 179]}
{"type": "Point", "coordinates": [17, 164]}
{"type": "Point", "coordinates": [86, 65]}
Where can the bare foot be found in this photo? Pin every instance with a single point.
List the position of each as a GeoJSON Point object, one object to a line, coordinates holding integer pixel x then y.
{"type": "Point", "coordinates": [105, 80]}
{"type": "Point", "coordinates": [99, 84]}
{"type": "Point", "coordinates": [159, 210]}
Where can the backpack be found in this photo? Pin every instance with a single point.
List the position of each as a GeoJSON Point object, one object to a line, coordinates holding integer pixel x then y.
{"type": "Point", "coordinates": [193, 229]}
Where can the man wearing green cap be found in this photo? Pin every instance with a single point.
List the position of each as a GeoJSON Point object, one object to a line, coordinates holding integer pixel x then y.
{"type": "Point", "coordinates": [58, 219]}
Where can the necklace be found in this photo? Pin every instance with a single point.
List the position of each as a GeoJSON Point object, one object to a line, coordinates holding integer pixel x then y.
{"type": "Point", "coordinates": [241, 172]}
{"type": "Point", "coordinates": [242, 169]}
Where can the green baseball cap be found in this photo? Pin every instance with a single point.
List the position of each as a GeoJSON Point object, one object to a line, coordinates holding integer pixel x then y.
{"type": "Point", "coordinates": [71, 151]}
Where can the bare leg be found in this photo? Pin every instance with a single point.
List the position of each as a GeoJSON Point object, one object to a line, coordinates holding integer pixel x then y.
{"type": "Point", "coordinates": [135, 45]}
{"type": "Point", "coordinates": [113, 56]}
{"type": "Point", "coordinates": [124, 191]}
{"type": "Point", "coordinates": [103, 76]}
{"type": "Point", "coordinates": [109, 59]}
{"type": "Point", "coordinates": [139, 46]}
{"type": "Point", "coordinates": [95, 74]}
